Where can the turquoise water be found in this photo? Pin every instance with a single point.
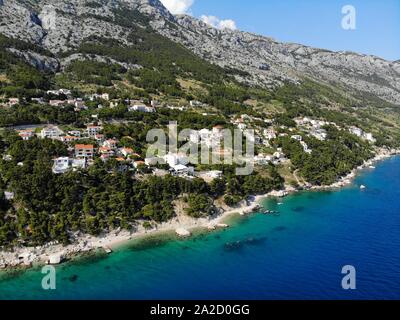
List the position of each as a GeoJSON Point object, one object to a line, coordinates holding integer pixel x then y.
{"type": "Point", "coordinates": [296, 255]}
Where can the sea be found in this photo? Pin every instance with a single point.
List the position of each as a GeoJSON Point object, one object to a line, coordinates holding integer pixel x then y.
{"type": "Point", "coordinates": [299, 252]}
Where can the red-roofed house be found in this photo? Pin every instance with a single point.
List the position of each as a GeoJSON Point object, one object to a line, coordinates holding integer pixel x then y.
{"type": "Point", "coordinates": [83, 151]}
{"type": "Point", "coordinates": [127, 151]}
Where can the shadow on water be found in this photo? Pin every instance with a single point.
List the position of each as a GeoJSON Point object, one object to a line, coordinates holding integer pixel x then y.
{"type": "Point", "coordinates": [84, 259]}
{"type": "Point", "coordinates": [279, 229]}
{"type": "Point", "coordinates": [374, 191]}
{"type": "Point", "coordinates": [150, 242]}
{"type": "Point", "coordinates": [239, 245]}
{"type": "Point", "coordinates": [298, 209]}
{"type": "Point", "coordinates": [72, 278]}
{"type": "Point", "coordinates": [233, 246]}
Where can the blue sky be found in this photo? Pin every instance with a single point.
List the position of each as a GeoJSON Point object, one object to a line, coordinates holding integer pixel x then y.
{"type": "Point", "coordinates": [311, 22]}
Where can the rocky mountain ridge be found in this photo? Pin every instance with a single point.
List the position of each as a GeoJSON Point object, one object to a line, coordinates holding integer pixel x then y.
{"type": "Point", "coordinates": [60, 26]}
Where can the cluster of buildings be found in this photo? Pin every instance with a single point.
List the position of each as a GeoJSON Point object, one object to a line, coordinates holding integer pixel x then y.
{"type": "Point", "coordinates": [210, 138]}
{"type": "Point", "coordinates": [276, 158]}
{"type": "Point", "coordinates": [81, 155]}
{"type": "Point", "coordinates": [314, 127]}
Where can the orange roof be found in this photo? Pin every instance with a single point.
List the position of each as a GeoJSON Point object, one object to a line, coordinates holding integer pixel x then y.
{"type": "Point", "coordinates": [84, 146]}
{"type": "Point", "coordinates": [120, 159]}
{"type": "Point", "coordinates": [128, 150]}
{"type": "Point", "coordinates": [104, 149]}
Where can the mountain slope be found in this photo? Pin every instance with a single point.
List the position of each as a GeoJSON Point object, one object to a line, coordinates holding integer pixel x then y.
{"type": "Point", "coordinates": [61, 26]}
{"type": "Point", "coordinates": [284, 61]}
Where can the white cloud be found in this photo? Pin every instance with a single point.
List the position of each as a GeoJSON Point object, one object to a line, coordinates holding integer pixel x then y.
{"type": "Point", "coordinates": [218, 23]}
{"type": "Point", "coordinates": [178, 6]}
{"type": "Point", "coordinates": [183, 6]}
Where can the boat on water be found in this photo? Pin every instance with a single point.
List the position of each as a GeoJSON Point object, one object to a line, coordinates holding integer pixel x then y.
{"type": "Point", "coordinates": [271, 212]}
{"type": "Point", "coordinates": [362, 187]}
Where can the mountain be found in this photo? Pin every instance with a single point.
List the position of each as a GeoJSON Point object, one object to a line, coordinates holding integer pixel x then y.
{"type": "Point", "coordinates": [62, 26]}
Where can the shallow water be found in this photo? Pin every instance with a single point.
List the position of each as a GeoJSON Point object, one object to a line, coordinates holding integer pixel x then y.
{"type": "Point", "coordinates": [296, 255]}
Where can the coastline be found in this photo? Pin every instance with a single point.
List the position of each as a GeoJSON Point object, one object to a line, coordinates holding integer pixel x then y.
{"type": "Point", "coordinates": [182, 226]}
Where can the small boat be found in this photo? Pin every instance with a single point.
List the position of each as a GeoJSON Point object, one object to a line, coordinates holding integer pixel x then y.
{"type": "Point", "coordinates": [362, 187]}
{"type": "Point", "coordinates": [268, 212]}
{"type": "Point", "coordinates": [372, 167]}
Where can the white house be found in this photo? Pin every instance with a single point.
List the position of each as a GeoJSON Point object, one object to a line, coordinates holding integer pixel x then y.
{"type": "Point", "coordinates": [51, 132]}
{"type": "Point", "coordinates": [26, 134]}
{"type": "Point", "coordinates": [182, 170]}
{"type": "Point", "coordinates": [93, 130]}
{"type": "Point", "coordinates": [297, 137]}
{"type": "Point", "coordinates": [64, 164]}
{"type": "Point", "coordinates": [75, 133]}
{"type": "Point", "coordinates": [174, 159]}
{"type": "Point", "coordinates": [110, 143]}
{"type": "Point", "coordinates": [83, 151]}
{"type": "Point", "coordinates": [270, 133]}
{"type": "Point", "coordinates": [152, 161]}
{"type": "Point", "coordinates": [61, 165]}
{"type": "Point", "coordinates": [141, 108]}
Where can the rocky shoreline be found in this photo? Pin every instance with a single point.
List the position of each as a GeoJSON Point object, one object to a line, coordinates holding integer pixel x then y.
{"type": "Point", "coordinates": [55, 253]}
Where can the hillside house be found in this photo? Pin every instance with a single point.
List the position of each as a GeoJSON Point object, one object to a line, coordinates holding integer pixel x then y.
{"type": "Point", "coordinates": [83, 151]}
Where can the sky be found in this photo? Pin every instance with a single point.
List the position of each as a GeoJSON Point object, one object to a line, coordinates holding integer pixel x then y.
{"type": "Point", "coordinates": [317, 23]}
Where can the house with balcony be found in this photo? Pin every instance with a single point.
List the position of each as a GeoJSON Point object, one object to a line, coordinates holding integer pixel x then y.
{"type": "Point", "coordinates": [93, 130]}
{"type": "Point", "coordinates": [51, 132]}
{"type": "Point", "coordinates": [83, 151]}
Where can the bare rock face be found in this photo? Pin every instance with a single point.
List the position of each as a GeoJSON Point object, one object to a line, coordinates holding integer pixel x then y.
{"type": "Point", "coordinates": [62, 25]}
{"type": "Point", "coordinates": [270, 62]}
{"type": "Point", "coordinates": [39, 61]}
{"type": "Point", "coordinates": [17, 21]}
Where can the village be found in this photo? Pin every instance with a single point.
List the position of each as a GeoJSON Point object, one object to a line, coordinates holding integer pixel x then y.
{"type": "Point", "coordinates": [82, 155]}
